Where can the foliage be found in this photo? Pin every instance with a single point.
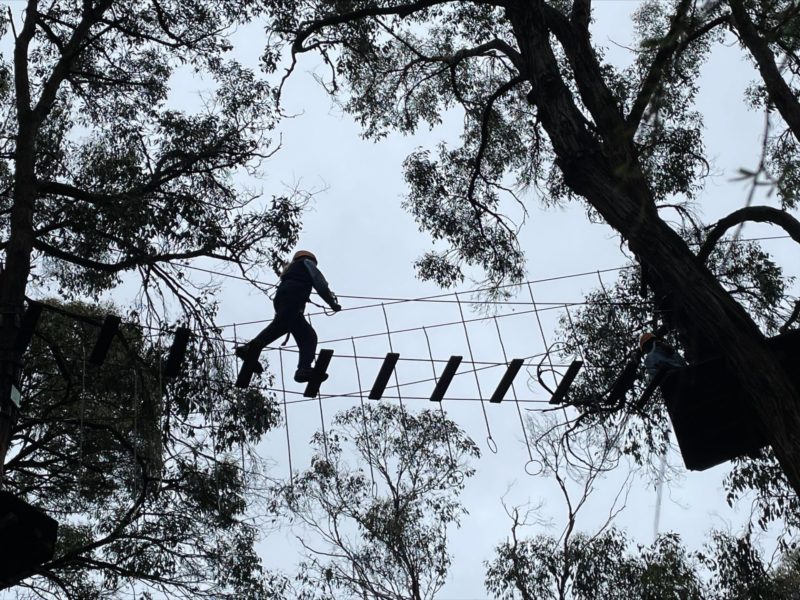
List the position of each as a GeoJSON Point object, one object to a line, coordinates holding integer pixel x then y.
{"type": "Point", "coordinates": [378, 528]}
{"type": "Point", "coordinates": [107, 174]}
{"type": "Point", "coordinates": [605, 332]}
{"type": "Point", "coordinates": [608, 566]}
{"type": "Point", "coordinates": [781, 155]}
{"type": "Point", "coordinates": [599, 566]}
{"type": "Point", "coordinates": [123, 175]}
{"type": "Point", "coordinates": [147, 486]}
{"type": "Point", "coordinates": [605, 564]}
{"type": "Point", "coordinates": [401, 66]}
{"type": "Point", "coordinates": [545, 112]}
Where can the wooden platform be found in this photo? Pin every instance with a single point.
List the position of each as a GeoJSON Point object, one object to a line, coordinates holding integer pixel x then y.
{"type": "Point", "coordinates": [27, 539]}
{"type": "Point", "coordinates": [713, 421]}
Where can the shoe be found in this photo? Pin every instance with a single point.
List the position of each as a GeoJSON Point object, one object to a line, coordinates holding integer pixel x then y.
{"type": "Point", "coordinates": [243, 352]}
{"type": "Point", "coordinates": [304, 374]}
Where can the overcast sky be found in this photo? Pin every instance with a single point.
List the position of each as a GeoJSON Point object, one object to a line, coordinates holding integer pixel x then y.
{"type": "Point", "coordinates": [366, 245]}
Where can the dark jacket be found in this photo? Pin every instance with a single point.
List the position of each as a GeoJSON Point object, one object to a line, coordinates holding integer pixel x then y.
{"type": "Point", "coordinates": [664, 355]}
{"type": "Point", "coordinates": [302, 275]}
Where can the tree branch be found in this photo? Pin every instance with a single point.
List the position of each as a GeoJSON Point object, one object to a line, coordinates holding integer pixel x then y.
{"type": "Point", "coordinates": [760, 214]}
{"type": "Point", "coordinates": [64, 64]}
{"type": "Point", "coordinates": [595, 94]}
{"type": "Point", "coordinates": [482, 50]}
{"type": "Point", "coordinates": [581, 15]}
{"type": "Point", "coordinates": [63, 189]}
{"type": "Point", "coordinates": [779, 91]}
{"type": "Point", "coordinates": [401, 10]}
{"type": "Point", "coordinates": [128, 263]}
{"type": "Point", "coordinates": [129, 515]}
{"type": "Point", "coordinates": [487, 111]}
{"type": "Point", "coordinates": [21, 80]}
{"type": "Point", "coordinates": [667, 47]}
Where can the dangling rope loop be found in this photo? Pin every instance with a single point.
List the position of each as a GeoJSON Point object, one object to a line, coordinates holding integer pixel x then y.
{"type": "Point", "coordinates": [531, 464]}
{"type": "Point", "coordinates": [492, 446]}
{"type": "Point", "coordinates": [457, 476]}
{"type": "Point", "coordinates": [544, 339]}
{"type": "Point", "coordinates": [396, 379]}
{"type": "Point", "coordinates": [286, 417]}
{"type": "Point", "coordinates": [514, 392]}
{"type": "Point", "coordinates": [364, 419]}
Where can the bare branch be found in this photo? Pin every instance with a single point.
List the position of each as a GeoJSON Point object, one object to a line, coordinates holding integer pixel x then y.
{"type": "Point", "coordinates": [123, 265]}
{"type": "Point", "coordinates": [487, 113]}
{"type": "Point", "coordinates": [760, 214]}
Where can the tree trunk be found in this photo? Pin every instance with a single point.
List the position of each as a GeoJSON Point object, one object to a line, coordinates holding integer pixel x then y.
{"type": "Point", "coordinates": [602, 172]}
{"type": "Point", "coordinates": [14, 278]}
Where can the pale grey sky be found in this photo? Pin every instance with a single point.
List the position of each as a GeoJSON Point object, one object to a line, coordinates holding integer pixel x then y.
{"type": "Point", "coordinates": [367, 244]}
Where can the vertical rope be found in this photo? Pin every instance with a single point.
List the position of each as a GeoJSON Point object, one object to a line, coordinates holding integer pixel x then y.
{"type": "Point", "coordinates": [165, 405]}
{"type": "Point", "coordinates": [216, 460]}
{"type": "Point", "coordinates": [614, 316]}
{"type": "Point", "coordinates": [575, 334]}
{"type": "Point", "coordinates": [514, 392]}
{"type": "Point", "coordinates": [239, 393]}
{"type": "Point", "coordinates": [214, 442]}
{"type": "Point", "coordinates": [135, 412]}
{"type": "Point", "coordinates": [83, 405]}
{"type": "Point", "coordinates": [436, 381]}
{"type": "Point", "coordinates": [391, 349]}
{"type": "Point", "coordinates": [364, 417]}
{"type": "Point", "coordinates": [319, 401]}
{"type": "Point", "coordinates": [322, 423]}
{"type": "Point", "coordinates": [136, 440]}
{"type": "Point", "coordinates": [612, 307]}
{"type": "Point", "coordinates": [544, 338]}
{"type": "Point", "coordinates": [396, 379]}
{"type": "Point", "coordinates": [659, 493]}
{"type": "Point", "coordinates": [579, 346]}
{"type": "Point", "coordinates": [135, 401]}
{"type": "Point", "coordinates": [286, 416]}
{"type": "Point", "coordinates": [489, 440]}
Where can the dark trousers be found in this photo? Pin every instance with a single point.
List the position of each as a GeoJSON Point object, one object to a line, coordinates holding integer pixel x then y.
{"type": "Point", "coordinates": [289, 306]}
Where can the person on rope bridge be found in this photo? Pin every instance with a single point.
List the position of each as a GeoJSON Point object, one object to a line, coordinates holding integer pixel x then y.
{"type": "Point", "coordinates": [298, 277]}
{"type": "Point", "coordinates": [658, 353]}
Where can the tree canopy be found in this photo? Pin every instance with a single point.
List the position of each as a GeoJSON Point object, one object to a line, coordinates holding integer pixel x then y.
{"type": "Point", "coordinates": [607, 565]}
{"type": "Point", "coordinates": [543, 110]}
{"type": "Point", "coordinates": [604, 333]}
{"type": "Point", "coordinates": [145, 476]}
{"type": "Point", "coordinates": [111, 174]}
{"type": "Point", "coordinates": [378, 528]}
{"type": "Point", "coordinates": [104, 176]}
